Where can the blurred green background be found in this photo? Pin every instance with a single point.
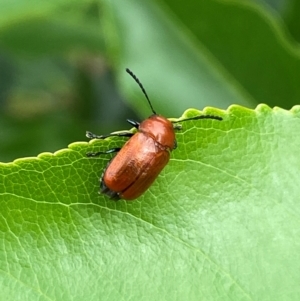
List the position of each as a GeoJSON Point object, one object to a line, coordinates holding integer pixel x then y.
{"type": "Point", "coordinates": [62, 63]}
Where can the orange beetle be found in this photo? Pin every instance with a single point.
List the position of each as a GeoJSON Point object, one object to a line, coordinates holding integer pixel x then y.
{"type": "Point", "coordinates": [132, 171]}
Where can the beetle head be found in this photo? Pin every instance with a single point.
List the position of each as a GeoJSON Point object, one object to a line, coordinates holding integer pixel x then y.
{"type": "Point", "coordinates": [160, 129]}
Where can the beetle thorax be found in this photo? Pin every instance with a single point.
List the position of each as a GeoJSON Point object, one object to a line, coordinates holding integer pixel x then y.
{"type": "Point", "coordinates": [160, 129]}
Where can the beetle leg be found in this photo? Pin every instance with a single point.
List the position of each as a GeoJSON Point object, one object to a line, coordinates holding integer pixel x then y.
{"type": "Point", "coordinates": [134, 123]}
{"type": "Point", "coordinates": [177, 127]}
{"type": "Point", "coordinates": [111, 194]}
{"type": "Point", "coordinates": [104, 189]}
{"type": "Point", "coordinates": [121, 134]}
{"type": "Point", "coordinates": [110, 151]}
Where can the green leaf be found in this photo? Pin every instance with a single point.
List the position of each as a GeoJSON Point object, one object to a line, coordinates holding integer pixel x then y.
{"type": "Point", "coordinates": [221, 222]}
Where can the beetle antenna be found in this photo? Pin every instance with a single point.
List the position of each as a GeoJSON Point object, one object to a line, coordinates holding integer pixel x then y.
{"type": "Point", "coordinates": [142, 88]}
{"type": "Point", "coordinates": [200, 117]}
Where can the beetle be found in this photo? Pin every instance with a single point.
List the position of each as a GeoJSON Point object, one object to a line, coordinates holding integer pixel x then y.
{"type": "Point", "coordinates": [138, 163]}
